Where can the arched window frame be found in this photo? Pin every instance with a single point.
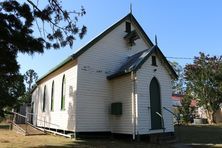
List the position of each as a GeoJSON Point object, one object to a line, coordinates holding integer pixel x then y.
{"type": "Point", "coordinates": [44, 99]}
{"type": "Point", "coordinates": [52, 97]}
{"type": "Point", "coordinates": [63, 92]}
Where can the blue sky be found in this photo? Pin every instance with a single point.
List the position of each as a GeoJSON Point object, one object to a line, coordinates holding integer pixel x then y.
{"type": "Point", "coordinates": [183, 28]}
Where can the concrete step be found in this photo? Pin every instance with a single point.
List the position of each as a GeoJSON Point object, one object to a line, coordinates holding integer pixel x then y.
{"type": "Point", "coordinates": [163, 138]}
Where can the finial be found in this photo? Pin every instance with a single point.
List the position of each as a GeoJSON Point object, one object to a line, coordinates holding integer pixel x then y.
{"type": "Point", "coordinates": [156, 39]}
{"type": "Point", "coordinates": [131, 9]}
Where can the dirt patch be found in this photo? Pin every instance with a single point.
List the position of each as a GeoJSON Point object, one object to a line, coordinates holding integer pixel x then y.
{"type": "Point", "coordinates": [4, 141]}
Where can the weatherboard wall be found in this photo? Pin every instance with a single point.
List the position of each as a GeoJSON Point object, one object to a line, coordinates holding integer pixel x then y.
{"type": "Point", "coordinates": [89, 94]}
{"type": "Point", "coordinates": [94, 93]}
{"type": "Point", "coordinates": [57, 118]}
{"type": "Point", "coordinates": [144, 77]}
{"type": "Point", "coordinates": [122, 92]}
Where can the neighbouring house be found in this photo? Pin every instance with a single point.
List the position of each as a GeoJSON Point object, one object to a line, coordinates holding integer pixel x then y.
{"type": "Point", "coordinates": [176, 104]}
{"type": "Point", "coordinates": [199, 111]}
{"type": "Point", "coordinates": [119, 83]}
{"type": "Point", "coordinates": [176, 100]}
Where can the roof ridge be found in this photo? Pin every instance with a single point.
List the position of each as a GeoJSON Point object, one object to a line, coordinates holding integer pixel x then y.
{"type": "Point", "coordinates": [96, 39]}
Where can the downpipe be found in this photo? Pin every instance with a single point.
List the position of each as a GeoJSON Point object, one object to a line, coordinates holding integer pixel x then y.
{"type": "Point", "coordinates": [133, 80]}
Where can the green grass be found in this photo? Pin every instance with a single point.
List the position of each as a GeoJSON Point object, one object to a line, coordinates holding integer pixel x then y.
{"type": "Point", "coordinates": [200, 134]}
{"type": "Point", "coordinates": [193, 136]}
{"type": "Point", "coordinates": [11, 139]}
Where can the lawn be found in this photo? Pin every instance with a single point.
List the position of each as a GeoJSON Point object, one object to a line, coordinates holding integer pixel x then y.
{"type": "Point", "coordinates": [13, 140]}
{"type": "Point", "coordinates": [192, 136]}
{"type": "Point", "coordinates": [200, 135]}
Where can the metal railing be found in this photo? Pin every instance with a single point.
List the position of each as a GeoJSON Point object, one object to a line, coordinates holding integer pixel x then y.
{"type": "Point", "coordinates": [162, 121]}
{"type": "Point", "coordinates": [41, 120]}
{"type": "Point", "coordinates": [176, 116]}
{"type": "Point", "coordinates": [29, 119]}
{"type": "Point", "coordinates": [41, 123]}
{"type": "Point", "coordinates": [161, 117]}
{"type": "Point", "coordinates": [20, 119]}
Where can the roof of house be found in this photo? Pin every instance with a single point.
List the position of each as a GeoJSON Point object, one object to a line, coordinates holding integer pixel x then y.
{"type": "Point", "coordinates": [129, 17]}
{"type": "Point", "coordinates": [177, 97]}
{"type": "Point", "coordinates": [135, 62]}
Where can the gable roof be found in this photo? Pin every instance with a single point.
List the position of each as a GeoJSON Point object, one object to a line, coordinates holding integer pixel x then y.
{"type": "Point", "coordinates": [128, 17]}
{"type": "Point", "coordinates": [135, 62]}
{"type": "Point", "coordinates": [95, 40]}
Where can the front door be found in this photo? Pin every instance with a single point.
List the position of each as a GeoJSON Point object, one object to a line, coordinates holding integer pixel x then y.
{"type": "Point", "coordinates": [155, 105]}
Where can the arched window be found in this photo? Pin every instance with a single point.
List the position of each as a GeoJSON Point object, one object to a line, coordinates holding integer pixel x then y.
{"type": "Point", "coordinates": [63, 93]}
{"type": "Point", "coordinates": [155, 104]}
{"type": "Point", "coordinates": [52, 97]}
{"type": "Point", "coordinates": [44, 99]}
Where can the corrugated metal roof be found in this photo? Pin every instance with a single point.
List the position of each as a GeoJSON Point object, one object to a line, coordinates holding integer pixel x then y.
{"type": "Point", "coordinates": [135, 62]}
{"type": "Point", "coordinates": [131, 63]}
{"type": "Point", "coordinates": [55, 68]}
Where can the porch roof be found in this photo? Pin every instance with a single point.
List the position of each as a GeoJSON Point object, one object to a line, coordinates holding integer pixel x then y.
{"type": "Point", "coordinates": [134, 62]}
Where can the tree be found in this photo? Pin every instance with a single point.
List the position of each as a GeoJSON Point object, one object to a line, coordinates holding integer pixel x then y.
{"type": "Point", "coordinates": [16, 29]}
{"type": "Point", "coordinates": [11, 89]}
{"type": "Point", "coordinates": [204, 79]}
{"type": "Point", "coordinates": [17, 34]}
{"type": "Point", "coordinates": [187, 110]}
{"type": "Point", "coordinates": [30, 77]}
{"type": "Point", "coordinates": [178, 85]}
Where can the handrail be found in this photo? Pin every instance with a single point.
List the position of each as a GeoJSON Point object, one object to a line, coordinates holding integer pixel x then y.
{"type": "Point", "coordinates": [171, 112]}
{"type": "Point", "coordinates": [19, 114]}
{"type": "Point", "coordinates": [42, 120]}
{"type": "Point", "coordinates": [177, 116]}
{"type": "Point", "coordinates": [37, 118]}
{"type": "Point", "coordinates": [14, 121]}
{"type": "Point", "coordinates": [18, 127]}
{"type": "Point", "coordinates": [162, 121]}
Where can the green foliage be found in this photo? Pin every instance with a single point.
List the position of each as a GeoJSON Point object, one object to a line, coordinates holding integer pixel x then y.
{"type": "Point", "coordinates": [17, 35]}
{"type": "Point", "coordinates": [30, 78]}
{"type": "Point", "coordinates": [186, 110]}
{"type": "Point", "coordinates": [178, 85]}
{"type": "Point", "coordinates": [204, 80]}
{"type": "Point", "coordinates": [12, 87]}
{"type": "Point", "coordinates": [16, 23]}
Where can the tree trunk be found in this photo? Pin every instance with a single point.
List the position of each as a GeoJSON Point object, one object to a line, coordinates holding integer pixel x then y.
{"type": "Point", "coordinates": [210, 116]}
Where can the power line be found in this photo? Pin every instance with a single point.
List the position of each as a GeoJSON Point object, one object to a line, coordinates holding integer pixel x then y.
{"type": "Point", "coordinates": [180, 58]}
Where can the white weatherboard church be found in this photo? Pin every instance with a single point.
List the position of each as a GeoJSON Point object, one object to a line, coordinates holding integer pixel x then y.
{"type": "Point", "coordinates": [119, 83]}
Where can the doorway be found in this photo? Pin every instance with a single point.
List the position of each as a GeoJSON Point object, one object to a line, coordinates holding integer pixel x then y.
{"type": "Point", "coordinates": [155, 104]}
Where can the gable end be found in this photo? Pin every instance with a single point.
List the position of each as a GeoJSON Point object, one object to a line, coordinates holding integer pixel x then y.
{"type": "Point", "coordinates": [128, 17]}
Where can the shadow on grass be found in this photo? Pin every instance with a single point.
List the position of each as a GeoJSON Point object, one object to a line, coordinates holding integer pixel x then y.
{"type": "Point", "coordinates": [5, 126]}
{"type": "Point", "coordinates": [200, 135]}
{"type": "Point", "coordinates": [106, 143]}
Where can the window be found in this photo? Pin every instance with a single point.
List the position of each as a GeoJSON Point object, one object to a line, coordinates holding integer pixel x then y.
{"type": "Point", "coordinates": [52, 97]}
{"type": "Point", "coordinates": [128, 27]}
{"type": "Point", "coordinates": [154, 61]}
{"type": "Point", "coordinates": [44, 99]}
{"type": "Point", "coordinates": [63, 93]}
